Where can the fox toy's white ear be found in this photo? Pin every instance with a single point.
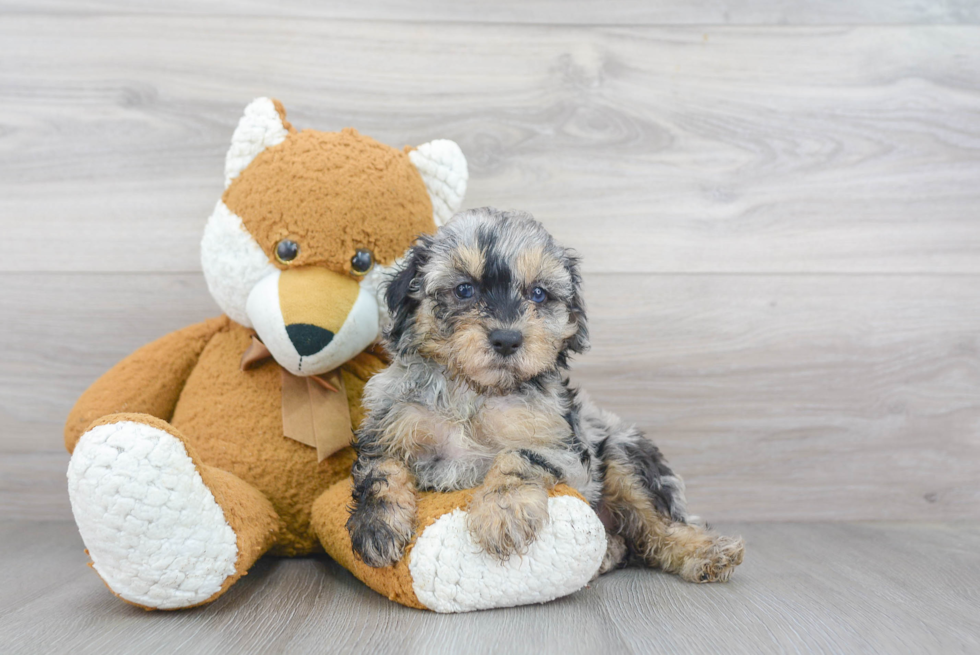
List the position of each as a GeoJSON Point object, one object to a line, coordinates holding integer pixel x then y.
{"type": "Point", "coordinates": [443, 169]}
{"type": "Point", "coordinates": [262, 125]}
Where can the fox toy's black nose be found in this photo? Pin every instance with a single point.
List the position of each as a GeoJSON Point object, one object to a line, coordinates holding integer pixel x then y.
{"type": "Point", "coordinates": [308, 339]}
{"type": "Point", "coordinates": [506, 342]}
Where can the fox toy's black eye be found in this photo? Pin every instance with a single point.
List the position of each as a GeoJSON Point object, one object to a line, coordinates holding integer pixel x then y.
{"type": "Point", "coordinates": [362, 261]}
{"type": "Point", "coordinates": [464, 291]}
{"type": "Point", "coordinates": [538, 295]}
{"type": "Point", "coordinates": [286, 251]}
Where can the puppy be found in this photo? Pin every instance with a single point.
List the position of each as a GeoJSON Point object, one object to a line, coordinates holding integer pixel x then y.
{"type": "Point", "coordinates": [485, 315]}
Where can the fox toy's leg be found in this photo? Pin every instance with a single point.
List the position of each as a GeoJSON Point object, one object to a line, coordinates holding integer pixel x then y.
{"type": "Point", "coordinates": [444, 570]}
{"type": "Point", "coordinates": [163, 530]}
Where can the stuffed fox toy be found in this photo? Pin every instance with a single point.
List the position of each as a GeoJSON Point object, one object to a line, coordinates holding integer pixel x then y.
{"type": "Point", "coordinates": [229, 439]}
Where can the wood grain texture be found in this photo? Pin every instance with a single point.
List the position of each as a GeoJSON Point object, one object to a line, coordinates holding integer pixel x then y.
{"type": "Point", "coordinates": [60, 333]}
{"type": "Point", "coordinates": [807, 397]}
{"type": "Point", "coordinates": [821, 397]}
{"type": "Point", "coordinates": [563, 12]}
{"type": "Point", "coordinates": [682, 149]}
{"type": "Point", "coordinates": [780, 224]}
{"type": "Point", "coordinates": [815, 588]}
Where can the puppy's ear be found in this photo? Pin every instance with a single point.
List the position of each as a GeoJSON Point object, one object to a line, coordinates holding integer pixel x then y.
{"type": "Point", "coordinates": [400, 296]}
{"type": "Point", "coordinates": [579, 341]}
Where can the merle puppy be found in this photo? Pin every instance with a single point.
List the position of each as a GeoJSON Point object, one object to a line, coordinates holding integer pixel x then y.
{"type": "Point", "coordinates": [484, 317]}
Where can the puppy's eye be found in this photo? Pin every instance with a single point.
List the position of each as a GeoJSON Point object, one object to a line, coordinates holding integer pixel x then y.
{"type": "Point", "coordinates": [286, 251]}
{"type": "Point", "coordinates": [362, 261]}
{"type": "Point", "coordinates": [538, 295]}
{"type": "Point", "coordinates": [464, 290]}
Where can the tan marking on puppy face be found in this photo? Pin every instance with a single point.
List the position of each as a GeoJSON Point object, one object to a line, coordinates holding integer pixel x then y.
{"type": "Point", "coordinates": [505, 257]}
{"type": "Point", "coordinates": [528, 264]}
{"type": "Point", "coordinates": [534, 266]}
{"type": "Point", "coordinates": [426, 331]}
{"type": "Point", "coordinates": [469, 261]}
{"type": "Point", "coordinates": [332, 193]}
{"type": "Point", "coordinates": [543, 339]}
{"type": "Point", "coordinates": [467, 350]}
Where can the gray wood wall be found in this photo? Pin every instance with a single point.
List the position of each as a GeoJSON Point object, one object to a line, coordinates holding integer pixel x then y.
{"type": "Point", "coordinates": [778, 206]}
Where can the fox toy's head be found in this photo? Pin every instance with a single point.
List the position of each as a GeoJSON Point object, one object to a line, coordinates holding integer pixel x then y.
{"type": "Point", "coordinates": [308, 226]}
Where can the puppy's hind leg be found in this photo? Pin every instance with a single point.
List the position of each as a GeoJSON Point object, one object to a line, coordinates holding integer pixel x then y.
{"type": "Point", "coordinates": [646, 502]}
{"type": "Point", "coordinates": [616, 554]}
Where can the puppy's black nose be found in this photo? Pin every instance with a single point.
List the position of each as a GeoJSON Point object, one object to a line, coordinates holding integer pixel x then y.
{"type": "Point", "coordinates": [506, 342]}
{"type": "Point", "coordinates": [308, 339]}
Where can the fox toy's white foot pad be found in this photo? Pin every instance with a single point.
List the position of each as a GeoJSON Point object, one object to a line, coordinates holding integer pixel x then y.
{"type": "Point", "coordinates": [450, 573]}
{"type": "Point", "coordinates": [152, 528]}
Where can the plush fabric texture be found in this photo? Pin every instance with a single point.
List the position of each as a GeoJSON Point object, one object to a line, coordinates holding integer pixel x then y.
{"type": "Point", "coordinates": [155, 530]}
{"type": "Point", "coordinates": [149, 381]}
{"type": "Point", "coordinates": [232, 263]}
{"type": "Point", "coordinates": [233, 420]}
{"type": "Point", "coordinates": [443, 570]}
{"type": "Point", "coordinates": [444, 170]}
{"type": "Point", "coordinates": [312, 188]}
{"type": "Point", "coordinates": [263, 125]}
{"type": "Point", "coordinates": [358, 330]}
{"type": "Point", "coordinates": [181, 476]}
{"type": "Point", "coordinates": [450, 573]}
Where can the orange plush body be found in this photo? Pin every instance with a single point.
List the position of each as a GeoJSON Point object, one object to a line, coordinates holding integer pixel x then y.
{"type": "Point", "coordinates": [229, 439]}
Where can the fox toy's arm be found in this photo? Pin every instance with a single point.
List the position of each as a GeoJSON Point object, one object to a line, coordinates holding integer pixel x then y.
{"type": "Point", "coordinates": [149, 381]}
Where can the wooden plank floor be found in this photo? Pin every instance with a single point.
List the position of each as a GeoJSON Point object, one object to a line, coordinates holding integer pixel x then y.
{"type": "Point", "coordinates": [650, 149]}
{"type": "Point", "coordinates": [817, 588]}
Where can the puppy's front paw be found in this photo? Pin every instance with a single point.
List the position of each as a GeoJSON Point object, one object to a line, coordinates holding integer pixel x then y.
{"type": "Point", "coordinates": [716, 562]}
{"type": "Point", "coordinates": [379, 535]}
{"type": "Point", "coordinates": [504, 521]}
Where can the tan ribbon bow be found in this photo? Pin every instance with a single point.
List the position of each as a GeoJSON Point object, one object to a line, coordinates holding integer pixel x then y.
{"type": "Point", "coordinates": [314, 408]}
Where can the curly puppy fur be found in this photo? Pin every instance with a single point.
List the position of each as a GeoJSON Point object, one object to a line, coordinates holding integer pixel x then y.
{"type": "Point", "coordinates": [485, 315]}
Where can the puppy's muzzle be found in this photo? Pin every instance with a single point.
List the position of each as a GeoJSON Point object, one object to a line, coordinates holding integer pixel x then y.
{"type": "Point", "coordinates": [506, 342]}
